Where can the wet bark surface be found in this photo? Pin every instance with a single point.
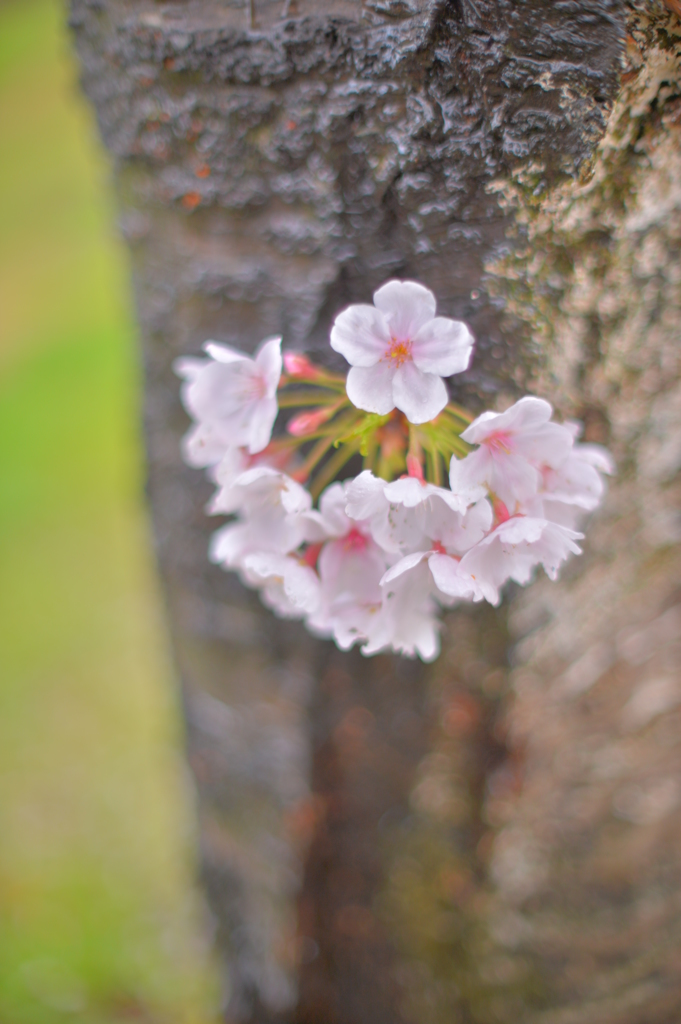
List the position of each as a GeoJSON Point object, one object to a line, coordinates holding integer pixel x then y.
{"type": "Point", "coordinates": [383, 841]}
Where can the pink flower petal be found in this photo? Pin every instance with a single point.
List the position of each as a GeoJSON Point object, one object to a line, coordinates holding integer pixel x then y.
{"type": "Point", "coordinates": [528, 412]}
{"type": "Point", "coordinates": [442, 346]}
{"type": "Point", "coordinates": [360, 333]}
{"type": "Point", "coordinates": [188, 367]}
{"type": "Point", "coordinates": [223, 353]}
{"type": "Point", "coordinates": [201, 446]}
{"type": "Point", "coordinates": [407, 306]}
{"type": "Point", "coordinates": [404, 565]}
{"type": "Point", "coordinates": [420, 396]}
{"type": "Point", "coordinates": [332, 509]}
{"type": "Point", "coordinates": [365, 496]}
{"type": "Point", "coordinates": [268, 359]}
{"type": "Point", "coordinates": [221, 390]}
{"type": "Point", "coordinates": [371, 387]}
{"type": "Point", "coordinates": [260, 428]}
{"type": "Point", "coordinates": [451, 580]}
{"type": "Point", "coordinates": [597, 456]}
{"type": "Point", "coordinates": [548, 444]}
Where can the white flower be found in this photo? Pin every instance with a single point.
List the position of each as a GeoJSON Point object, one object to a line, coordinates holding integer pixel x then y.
{"type": "Point", "coordinates": [354, 607]}
{"type": "Point", "coordinates": [401, 515]}
{"type": "Point", "coordinates": [577, 480]}
{"type": "Point", "coordinates": [202, 445]}
{"type": "Point", "coordinates": [334, 519]}
{"type": "Point", "coordinates": [350, 569]}
{"type": "Point", "coordinates": [449, 535]}
{"type": "Point", "coordinates": [394, 526]}
{"type": "Point", "coordinates": [407, 620]}
{"type": "Point", "coordinates": [453, 583]}
{"type": "Point", "coordinates": [287, 585]}
{"type": "Point", "coordinates": [512, 551]}
{"type": "Point", "coordinates": [365, 496]}
{"type": "Point", "coordinates": [233, 399]}
{"type": "Point", "coordinates": [418, 494]}
{"type": "Point", "coordinates": [263, 490]}
{"type": "Point", "coordinates": [350, 566]}
{"type": "Point", "coordinates": [514, 446]}
{"type": "Point", "coordinates": [233, 463]}
{"type": "Point", "coordinates": [399, 351]}
{"type": "Point", "coordinates": [274, 517]}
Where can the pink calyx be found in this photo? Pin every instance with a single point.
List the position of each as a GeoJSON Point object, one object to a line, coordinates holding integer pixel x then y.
{"type": "Point", "coordinates": [354, 540]}
{"type": "Point", "coordinates": [501, 513]}
{"type": "Point", "coordinates": [311, 554]}
{"type": "Point", "coordinates": [439, 549]}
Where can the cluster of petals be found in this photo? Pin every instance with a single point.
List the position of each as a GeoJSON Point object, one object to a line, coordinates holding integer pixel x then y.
{"type": "Point", "coordinates": [377, 561]}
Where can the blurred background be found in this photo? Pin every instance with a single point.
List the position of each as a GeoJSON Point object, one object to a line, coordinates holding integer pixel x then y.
{"type": "Point", "coordinates": [100, 920]}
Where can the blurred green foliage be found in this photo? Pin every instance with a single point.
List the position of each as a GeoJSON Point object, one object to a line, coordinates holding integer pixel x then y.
{"type": "Point", "coordinates": [98, 918]}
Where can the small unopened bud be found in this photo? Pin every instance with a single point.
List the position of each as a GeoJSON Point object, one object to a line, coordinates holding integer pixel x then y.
{"type": "Point", "coordinates": [298, 365]}
{"type": "Point", "coordinates": [308, 422]}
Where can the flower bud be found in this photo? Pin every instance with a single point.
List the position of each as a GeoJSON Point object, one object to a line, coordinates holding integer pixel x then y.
{"type": "Point", "coordinates": [308, 422]}
{"type": "Point", "coordinates": [298, 365]}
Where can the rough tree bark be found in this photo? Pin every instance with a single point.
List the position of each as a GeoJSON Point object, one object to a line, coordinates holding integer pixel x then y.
{"type": "Point", "coordinates": [496, 837]}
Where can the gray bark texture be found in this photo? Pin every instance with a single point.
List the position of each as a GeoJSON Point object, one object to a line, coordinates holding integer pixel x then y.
{"type": "Point", "coordinates": [496, 837]}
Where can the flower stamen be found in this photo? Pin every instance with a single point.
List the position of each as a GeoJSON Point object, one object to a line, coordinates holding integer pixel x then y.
{"type": "Point", "coordinates": [399, 351]}
{"type": "Point", "coordinates": [500, 443]}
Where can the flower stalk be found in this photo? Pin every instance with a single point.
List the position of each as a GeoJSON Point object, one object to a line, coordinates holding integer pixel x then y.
{"type": "Point", "coordinates": [386, 443]}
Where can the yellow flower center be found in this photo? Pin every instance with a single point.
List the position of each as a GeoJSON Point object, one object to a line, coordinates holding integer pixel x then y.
{"type": "Point", "coordinates": [399, 351]}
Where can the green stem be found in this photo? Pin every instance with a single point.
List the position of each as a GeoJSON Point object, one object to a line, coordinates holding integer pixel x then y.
{"type": "Point", "coordinates": [287, 442]}
{"type": "Point", "coordinates": [459, 412]}
{"type": "Point", "coordinates": [437, 465]}
{"type": "Point", "coordinates": [444, 436]}
{"type": "Point", "coordinates": [415, 448]}
{"type": "Point", "coordinates": [313, 457]}
{"type": "Point", "coordinates": [370, 457]}
{"type": "Point", "coordinates": [431, 458]}
{"type": "Point", "coordinates": [461, 447]}
{"type": "Point", "coordinates": [333, 466]}
{"type": "Point", "coordinates": [294, 398]}
{"type": "Point", "coordinates": [340, 427]}
{"type": "Point", "coordinates": [332, 428]}
{"type": "Point", "coordinates": [447, 427]}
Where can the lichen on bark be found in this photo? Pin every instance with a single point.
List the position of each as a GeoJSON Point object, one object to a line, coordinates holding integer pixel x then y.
{"type": "Point", "coordinates": [586, 859]}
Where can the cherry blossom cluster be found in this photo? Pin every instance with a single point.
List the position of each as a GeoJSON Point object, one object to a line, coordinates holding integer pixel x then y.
{"type": "Point", "coordinates": [443, 508]}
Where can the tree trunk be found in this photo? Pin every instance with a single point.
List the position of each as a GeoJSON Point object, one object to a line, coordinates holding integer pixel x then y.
{"type": "Point", "coordinates": [495, 837]}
